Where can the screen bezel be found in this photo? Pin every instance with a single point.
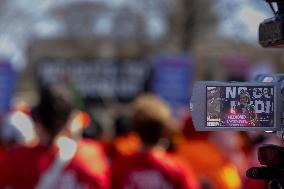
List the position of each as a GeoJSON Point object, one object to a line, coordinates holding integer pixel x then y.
{"type": "Point", "coordinates": [199, 105]}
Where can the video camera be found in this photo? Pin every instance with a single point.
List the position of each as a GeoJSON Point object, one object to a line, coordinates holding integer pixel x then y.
{"type": "Point", "coordinates": [249, 106]}
{"type": "Point", "coordinates": [245, 106]}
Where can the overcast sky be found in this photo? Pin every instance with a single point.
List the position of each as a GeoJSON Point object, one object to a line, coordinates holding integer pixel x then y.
{"type": "Point", "coordinates": [240, 18]}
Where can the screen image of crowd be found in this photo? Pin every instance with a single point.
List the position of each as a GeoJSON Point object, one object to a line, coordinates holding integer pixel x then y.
{"type": "Point", "coordinates": [56, 145]}
{"type": "Point", "coordinates": [240, 106]}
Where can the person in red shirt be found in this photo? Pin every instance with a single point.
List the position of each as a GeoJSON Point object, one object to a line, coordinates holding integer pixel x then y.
{"type": "Point", "coordinates": [152, 167]}
{"type": "Point", "coordinates": [58, 161]}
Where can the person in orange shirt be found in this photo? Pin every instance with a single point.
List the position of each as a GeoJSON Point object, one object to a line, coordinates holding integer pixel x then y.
{"type": "Point", "coordinates": [152, 167]}
{"type": "Point", "coordinates": [209, 164]}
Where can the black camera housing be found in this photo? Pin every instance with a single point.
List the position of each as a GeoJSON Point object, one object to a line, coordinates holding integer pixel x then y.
{"type": "Point", "coordinates": [271, 31]}
{"type": "Point", "coordinates": [271, 158]}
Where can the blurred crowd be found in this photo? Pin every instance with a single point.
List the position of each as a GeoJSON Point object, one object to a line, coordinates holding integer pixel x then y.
{"type": "Point", "coordinates": [57, 145]}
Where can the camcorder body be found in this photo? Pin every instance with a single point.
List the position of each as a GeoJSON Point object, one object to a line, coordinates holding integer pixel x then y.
{"type": "Point", "coordinates": [249, 106]}
{"type": "Point", "coordinates": [245, 106]}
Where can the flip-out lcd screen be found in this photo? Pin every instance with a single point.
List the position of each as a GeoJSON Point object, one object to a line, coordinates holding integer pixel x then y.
{"type": "Point", "coordinates": [240, 106]}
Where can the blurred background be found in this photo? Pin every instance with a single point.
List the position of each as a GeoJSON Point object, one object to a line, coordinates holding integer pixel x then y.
{"type": "Point", "coordinates": [109, 52]}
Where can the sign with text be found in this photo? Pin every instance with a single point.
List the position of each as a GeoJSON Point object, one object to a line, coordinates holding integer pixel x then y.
{"type": "Point", "coordinates": [98, 78]}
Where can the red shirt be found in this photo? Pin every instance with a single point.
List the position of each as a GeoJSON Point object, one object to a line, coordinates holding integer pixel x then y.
{"type": "Point", "coordinates": [21, 168]}
{"type": "Point", "coordinates": [155, 169]}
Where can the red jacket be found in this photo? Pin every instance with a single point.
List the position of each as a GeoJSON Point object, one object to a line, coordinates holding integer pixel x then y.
{"type": "Point", "coordinates": [154, 169]}
{"type": "Point", "coordinates": [21, 168]}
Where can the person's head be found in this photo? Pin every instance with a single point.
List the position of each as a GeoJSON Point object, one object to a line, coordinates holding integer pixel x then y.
{"type": "Point", "coordinates": [150, 118]}
{"type": "Point", "coordinates": [54, 109]}
{"type": "Point", "coordinates": [244, 97]}
{"type": "Point", "coordinates": [122, 125]}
